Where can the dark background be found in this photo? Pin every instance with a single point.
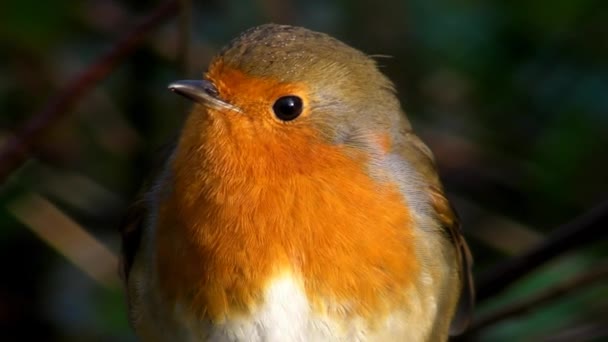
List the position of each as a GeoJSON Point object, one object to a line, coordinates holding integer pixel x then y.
{"type": "Point", "coordinates": [511, 96]}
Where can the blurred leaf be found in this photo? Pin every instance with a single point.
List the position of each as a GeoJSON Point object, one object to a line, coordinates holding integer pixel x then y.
{"type": "Point", "coordinates": [35, 25]}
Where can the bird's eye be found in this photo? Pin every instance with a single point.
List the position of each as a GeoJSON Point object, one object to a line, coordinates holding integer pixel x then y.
{"type": "Point", "coordinates": [287, 108]}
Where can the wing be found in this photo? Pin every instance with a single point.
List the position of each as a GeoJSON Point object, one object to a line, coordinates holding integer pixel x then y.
{"type": "Point", "coordinates": [451, 224]}
{"type": "Point", "coordinates": [133, 224]}
{"type": "Point", "coordinates": [419, 155]}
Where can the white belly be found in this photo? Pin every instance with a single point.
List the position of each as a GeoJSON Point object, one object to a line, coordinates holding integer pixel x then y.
{"type": "Point", "coordinates": [286, 316]}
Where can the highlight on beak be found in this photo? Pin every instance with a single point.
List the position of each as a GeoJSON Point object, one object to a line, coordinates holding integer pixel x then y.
{"type": "Point", "coordinates": [203, 92]}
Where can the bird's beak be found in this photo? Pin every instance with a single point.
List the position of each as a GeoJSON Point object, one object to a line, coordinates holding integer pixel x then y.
{"type": "Point", "coordinates": [203, 92]}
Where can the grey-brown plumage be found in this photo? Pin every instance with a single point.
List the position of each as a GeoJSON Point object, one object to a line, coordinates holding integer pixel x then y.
{"type": "Point", "coordinates": [349, 104]}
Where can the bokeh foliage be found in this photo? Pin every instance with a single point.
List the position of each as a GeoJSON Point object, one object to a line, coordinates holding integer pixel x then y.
{"type": "Point", "coordinates": [511, 96]}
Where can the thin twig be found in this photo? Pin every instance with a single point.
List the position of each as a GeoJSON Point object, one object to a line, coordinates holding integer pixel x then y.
{"type": "Point", "coordinates": [584, 229]}
{"type": "Point", "coordinates": [535, 301]}
{"type": "Point", "coordinates": [18, 147]}
{"type": "Point", "coordinates": [595, 331]}
{"type": "Point", "coordinates": [67, 237]}
{"type": "Point", "coordinates": [183, 45]}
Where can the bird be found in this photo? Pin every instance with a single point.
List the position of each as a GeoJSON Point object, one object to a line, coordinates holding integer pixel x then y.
{"type": "Point", "coordinates": [296, 204]}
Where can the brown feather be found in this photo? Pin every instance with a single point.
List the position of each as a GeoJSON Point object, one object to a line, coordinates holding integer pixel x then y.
{"type": "Point", "coordinates": [412, 149]}
{"type": "Point", "coordinates": [450, 221]}
{"type": "Point", "coordinates": [132, 225]}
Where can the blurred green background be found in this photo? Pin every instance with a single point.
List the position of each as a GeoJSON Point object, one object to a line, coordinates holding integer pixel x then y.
{"type": "Point", "coordinates": [511, 96]}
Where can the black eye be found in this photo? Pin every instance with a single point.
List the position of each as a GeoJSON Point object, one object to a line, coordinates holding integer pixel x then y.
{"type": "Point", "coordinates": [288, 108]}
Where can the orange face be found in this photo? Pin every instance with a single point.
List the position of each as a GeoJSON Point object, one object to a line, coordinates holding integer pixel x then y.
{"type": "Point", "coordinates": [255, 135]}
{"type": "Point", "coordinates": [253, 95]}
{"type": "Point", "coordinates": [255, 196]}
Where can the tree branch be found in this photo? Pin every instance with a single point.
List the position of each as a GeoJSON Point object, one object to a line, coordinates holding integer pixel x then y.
{"type": "Point", "coordinates": [535, 301]}
{"type": "Point", "coordinates": [584, 229]}
{"type": "Point", "coordinates": [18, 147]}
{"type": "Point", "coordinates": [183, 45]}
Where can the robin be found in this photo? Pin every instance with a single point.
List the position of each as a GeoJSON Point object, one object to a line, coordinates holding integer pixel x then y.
{"type": "Point", "coordinates": [296, 205]}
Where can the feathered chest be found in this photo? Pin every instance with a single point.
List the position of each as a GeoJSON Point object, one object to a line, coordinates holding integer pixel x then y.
{"type": "Point", "coordinates": [347, 237]}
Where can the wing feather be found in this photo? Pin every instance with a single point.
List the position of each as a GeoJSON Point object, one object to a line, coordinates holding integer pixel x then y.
{"type": "Point", "coordinates": [420, 156]}
{"type": "Point", "coordinates": [451, 224]}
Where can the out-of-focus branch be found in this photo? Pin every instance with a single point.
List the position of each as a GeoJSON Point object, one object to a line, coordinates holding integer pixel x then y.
{"type": "Point", "coordinates": [535, 301]}
{"type": "Point", "coordinates": [595, 331]}
{"type": "Point", "coordinates": [67, 237]}
{"type": "Point", "coordinates": [18, 147]}
{"type": "Point", "coordinates": [495, 230]}
{"type": "Point", "coordinates": [584, 229]}
{"type": "Point", "coordinates": [183, 45]}
{"type": "Point", "coordinates": [277, 11]}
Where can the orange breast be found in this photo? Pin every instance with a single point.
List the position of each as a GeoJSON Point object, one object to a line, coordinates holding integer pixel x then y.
{"type": "Point", "coordinates": [239, 215]}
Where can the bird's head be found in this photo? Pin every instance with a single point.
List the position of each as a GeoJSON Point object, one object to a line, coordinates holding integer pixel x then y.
{"type": "Point", "coordinates": [287, 92]}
